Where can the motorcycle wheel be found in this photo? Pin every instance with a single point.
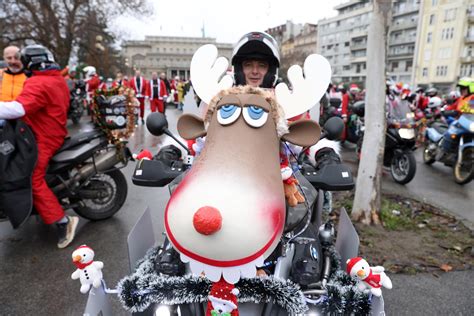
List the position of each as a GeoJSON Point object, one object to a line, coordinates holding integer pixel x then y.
{"type": "Point", "coordinates": [464, 172]}
{"type": "Point", "coordinates": [428, 157]}
{"type": "Point", "coordinates": [115, 184]}
{"type": "Point", "coordinates": [403, 167]}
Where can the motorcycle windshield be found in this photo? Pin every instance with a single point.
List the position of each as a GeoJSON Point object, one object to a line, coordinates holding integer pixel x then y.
{"type": "Point", "coordinates": [399, 111]}
{"type": "Point", "coordinates": [466, 120]}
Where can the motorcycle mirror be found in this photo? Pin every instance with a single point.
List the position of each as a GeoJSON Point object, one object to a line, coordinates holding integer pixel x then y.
{"type": "Point", "coordinates": [156, 123]}
{"type": "Point", "coordinates": [333, 128]}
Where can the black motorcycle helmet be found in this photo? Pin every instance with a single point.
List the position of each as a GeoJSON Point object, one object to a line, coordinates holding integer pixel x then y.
{"type": "Point", "coordinates": [36, 57]}
{"type": "Point", "coordinates": [258, 46]}
{"type": "Point", "coordinates": [431, 92]}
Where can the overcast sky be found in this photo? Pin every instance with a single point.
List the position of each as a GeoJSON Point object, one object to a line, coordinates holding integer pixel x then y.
{"type": "Point", "coordinates": [226, 21]}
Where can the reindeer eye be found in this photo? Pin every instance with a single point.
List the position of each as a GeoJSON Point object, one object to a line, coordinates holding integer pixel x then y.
{"type": "Point", "coordinates": [255, 116]}
{"type": "Point", "coordinates": [228, 114]}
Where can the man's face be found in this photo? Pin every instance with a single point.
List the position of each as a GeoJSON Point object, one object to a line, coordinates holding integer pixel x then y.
{"type": "Point", "coordinates": [254, 71]}
{"type": "Point", "coordinates": [12, 56]}
{"type": "Point", "coordinates": [464, 91]}
{"type": "Point", "coordinates": [154, 75]}
{"type": "Point", "coordinates": [137, 73]}
{"type": "Point", "coordinates": [119, 76]}
{"type": "Point", "coordinates": [162, 75]}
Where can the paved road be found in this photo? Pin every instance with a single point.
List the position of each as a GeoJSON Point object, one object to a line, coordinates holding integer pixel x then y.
{"type": "Point", "coordinates": [432, 184]}
{"type": "Point", "coordinates": [35, 275]}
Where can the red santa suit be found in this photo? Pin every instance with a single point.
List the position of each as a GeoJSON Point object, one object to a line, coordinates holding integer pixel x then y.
{"type": "Point", "coordinates": [139, 85]}
{"type": "Point", "coordinates": [45, 99]}
{"type": "Point", "coordinates": [156, 91]}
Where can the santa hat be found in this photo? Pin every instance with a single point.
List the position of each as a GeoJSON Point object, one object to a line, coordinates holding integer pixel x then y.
{"type": "Point", "coordinates": [84, 246]}
{"type": "Point", "coordinates": [144, 154]}
{"type": "Point", "coordinates": [223, 292]}
{"type": "Point", "coordinates": [351, 263]}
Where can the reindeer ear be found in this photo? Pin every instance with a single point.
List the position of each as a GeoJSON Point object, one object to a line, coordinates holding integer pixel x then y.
{"type": "Point", "coordinates": [191, 126]}
{"type": "Point", "coordinates": [303, 133]}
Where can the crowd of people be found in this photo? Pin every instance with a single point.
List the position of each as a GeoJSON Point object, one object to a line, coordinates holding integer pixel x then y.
{"type": "Point", "coordinates": [157, 90]}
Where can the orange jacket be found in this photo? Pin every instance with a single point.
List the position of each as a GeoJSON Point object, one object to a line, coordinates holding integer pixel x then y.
{"type": "Point", "coordinates": [11, 85]}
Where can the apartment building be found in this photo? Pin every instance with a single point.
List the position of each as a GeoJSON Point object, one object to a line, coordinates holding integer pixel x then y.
{"type": "Point", "coordinates": [446, 42]}
{"type": "Point", "coordinates": [343, 40]}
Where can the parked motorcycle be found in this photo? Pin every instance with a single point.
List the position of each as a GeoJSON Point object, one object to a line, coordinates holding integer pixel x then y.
{"type": "Point", "coordinates": [78, 102]}
{"type": "Point", "coordinates": [452, 145]}
{"type": "Point", "coordinates": [399, 145]}
{"type": "Point", "coordinates": [84, 174]}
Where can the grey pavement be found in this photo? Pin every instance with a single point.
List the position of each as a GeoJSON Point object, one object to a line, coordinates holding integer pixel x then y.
{"type": "Point", "coordinates": [35, 275]}
{"type": "Point", "coordinates": [432, 184]}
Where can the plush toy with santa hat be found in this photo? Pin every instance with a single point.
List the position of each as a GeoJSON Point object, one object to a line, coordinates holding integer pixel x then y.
{"type": "Point", "coordinates": [370, 278]}
{"type": "Point", "coordinates": [89, 272]}
{"type": "Point", "coordinates": [222, 300]}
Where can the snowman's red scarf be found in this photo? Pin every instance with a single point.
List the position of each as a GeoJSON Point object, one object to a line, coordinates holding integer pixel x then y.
{"type": "Point", "coordinates": [373, 280]}
{"type": "Point", "coordinates": [81, 265]}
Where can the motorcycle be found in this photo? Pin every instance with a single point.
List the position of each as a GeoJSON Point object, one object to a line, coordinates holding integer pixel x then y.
{"type": "Point", "coordinates": [399, 145]}
{"type": "Point", "coordinates": [78, 102]}
{"type": "Point", "coordinates": [306, 236]}
{"type": "Point", "coordinates": [452, 145]}
{"type": "Point", "coordinates": [84, 174]}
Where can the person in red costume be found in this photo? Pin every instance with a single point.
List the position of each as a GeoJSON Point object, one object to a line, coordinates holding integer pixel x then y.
{"type": "Point", "coordinates": [139, 85]}
{"type": "Point", "coordinates": [156, 92]}
{"type": "Point", "coordinates": [43, 105]}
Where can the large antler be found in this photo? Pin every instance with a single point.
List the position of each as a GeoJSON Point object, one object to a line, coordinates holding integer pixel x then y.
{"type": "Point", "coordinates": [306, 91]}
{"type": "Point", "coordinates": [206, 71]}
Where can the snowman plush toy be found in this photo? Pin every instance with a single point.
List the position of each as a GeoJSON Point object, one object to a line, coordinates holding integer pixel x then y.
{"type": "Point", "coordinates": [89, 272]}
{"type": "Point", "coordinates": [370, 278]}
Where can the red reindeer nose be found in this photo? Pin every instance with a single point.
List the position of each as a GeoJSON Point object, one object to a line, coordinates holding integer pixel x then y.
{"type": "Point", "coordinates": [207, 220]}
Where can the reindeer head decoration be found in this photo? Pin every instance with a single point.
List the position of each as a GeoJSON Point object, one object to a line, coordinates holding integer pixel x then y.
{"type": "Point", "coordinates": [228, 213]}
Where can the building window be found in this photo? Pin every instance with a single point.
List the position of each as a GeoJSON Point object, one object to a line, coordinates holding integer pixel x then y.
{"type": "Point", "coordinates": [408, 65]}
{"type": "Point", "coordinates": [428, 39]}
{"type": "Point", "coordinates": [425, 72]}
{"type": "Point", "coordinates": [467, 70]}
{"type": "Point", "coordinates": [449, 15]}
{"type": "Point", "coordinates": [434, 2]}
{"type": "Point", "coordinates": [427, 55]}
{"type": "Point", "coordinates": [346, 44]}
{"type": "Point", "coordinates": [394, 65]}
{"type": "Point", "coordinates": [432, 19]}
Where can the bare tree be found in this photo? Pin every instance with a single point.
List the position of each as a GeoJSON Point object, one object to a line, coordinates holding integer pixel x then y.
{"type": "Point", "coordinates": [62, 25]}
{"type": "Point", "coordinates": [368, 187]}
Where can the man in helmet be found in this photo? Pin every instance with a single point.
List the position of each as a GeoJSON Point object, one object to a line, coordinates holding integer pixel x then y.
{"type": "Point", "coordinates": [466, 89]}
{"type": "Point", "coordinates": [256, 59]}
{"type": "Point", "coordinates": [92, 81]}
{"type": "Point", "coordinates": [43, 105]}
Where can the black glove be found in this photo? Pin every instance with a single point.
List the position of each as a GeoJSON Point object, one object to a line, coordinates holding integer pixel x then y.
{"type": "Point", "coordinates": [326, 156]}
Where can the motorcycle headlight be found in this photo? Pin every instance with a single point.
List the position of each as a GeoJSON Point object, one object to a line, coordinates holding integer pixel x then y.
{"type": "Point", "coordinates": [471, 127]}
{"type": "Point", "coordinates": [406, 133]}
{"type": "Point", "coordinates": [162, 310]}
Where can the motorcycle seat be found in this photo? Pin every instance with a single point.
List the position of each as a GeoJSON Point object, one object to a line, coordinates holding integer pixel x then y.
{"type": "Point", "coordinates": [78, 139]}
{"type": "Point", "coordinates": [439, 127]}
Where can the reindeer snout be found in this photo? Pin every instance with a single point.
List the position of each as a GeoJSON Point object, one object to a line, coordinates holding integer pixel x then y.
{"type": "Point", "coordinates": [207, 220]}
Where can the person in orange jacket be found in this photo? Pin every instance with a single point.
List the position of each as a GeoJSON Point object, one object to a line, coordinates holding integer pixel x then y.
{"type": "Point", "coordinates": [13, 77]}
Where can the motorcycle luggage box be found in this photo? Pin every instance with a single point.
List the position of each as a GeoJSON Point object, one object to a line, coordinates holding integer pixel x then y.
{"type": "Point", "coordinates": [330, 177]}
{"type": "Point", "coordinates": [155, 173]}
